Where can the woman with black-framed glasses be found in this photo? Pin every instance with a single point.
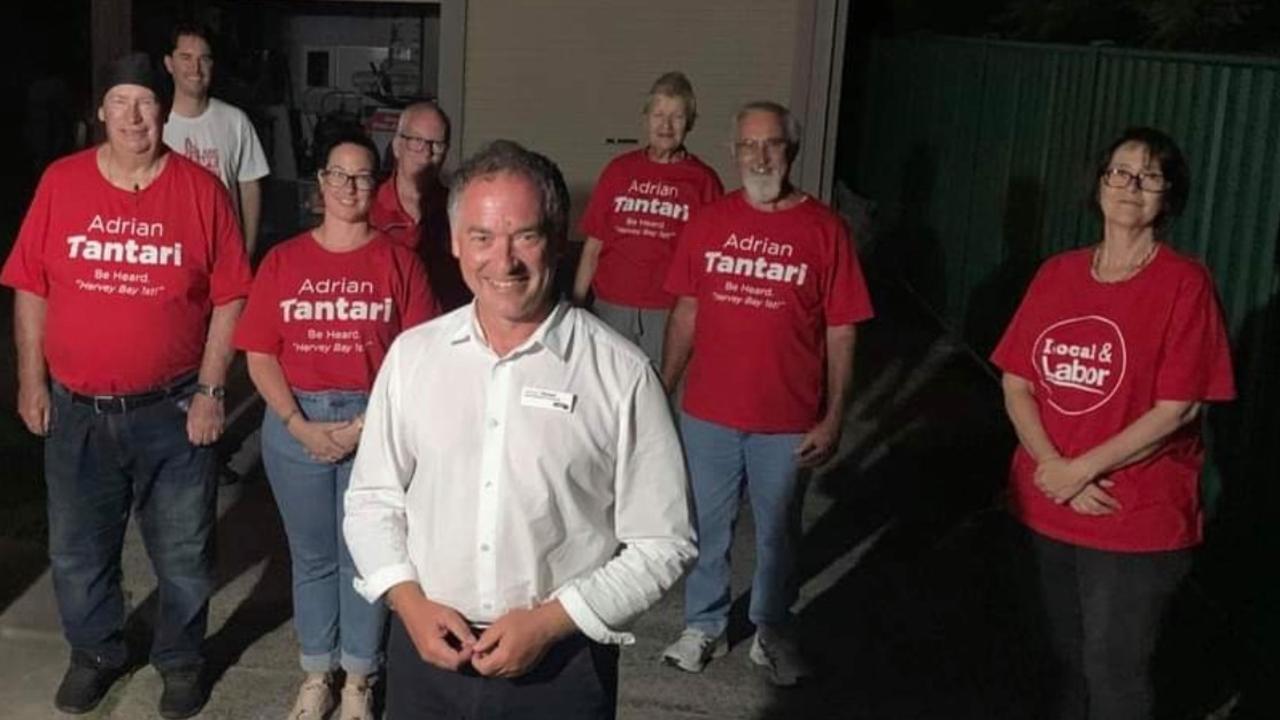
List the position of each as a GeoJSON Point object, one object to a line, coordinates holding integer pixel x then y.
{"type": "Point", "coordinates": [1107, 364]}
{"type": "Point", "coordinates": [324, 308]}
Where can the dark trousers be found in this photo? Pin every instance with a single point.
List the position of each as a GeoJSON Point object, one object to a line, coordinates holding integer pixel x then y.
{"type": "Point", "coordinates": [99, 467]}
{"type": "Point", "coordinates": [576, 680]}
{"type": "Point", "coordinates": [1103, 613]}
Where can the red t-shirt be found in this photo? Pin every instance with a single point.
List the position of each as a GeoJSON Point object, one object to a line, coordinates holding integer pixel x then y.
{"type": "Point", "coordinates": [637, 211]}
{"type": "Point", "coordinates": [430, 239]}
{"type": "Point", "coordinates": [329, 317]}
{"type": "Point", "coordinates": [1100, 355]}
{"type": "Point", "coordinates": [768, 285]}
{"type": "Point", "coordinates": [129, 278]}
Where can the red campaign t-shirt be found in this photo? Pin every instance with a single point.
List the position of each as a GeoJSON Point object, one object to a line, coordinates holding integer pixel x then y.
{"type": "Point", "coordinates": [430, 240]}
{"type": "Point", "coordinates": [386, 215]}
{"type": "Point", "coordinates": [129, 278]}
{"type": "Point", "coordinates": [329, 317]}
{"type": "Point", "coordinates": [637, 211]}
{"type": "Point", "coordinates": [1100, 355]}
{"type": "Point", "coordinates": [768, 285]}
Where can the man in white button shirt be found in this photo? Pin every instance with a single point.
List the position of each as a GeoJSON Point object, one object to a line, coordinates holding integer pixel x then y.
{"type": "Point", "coordinates": [519, 494]}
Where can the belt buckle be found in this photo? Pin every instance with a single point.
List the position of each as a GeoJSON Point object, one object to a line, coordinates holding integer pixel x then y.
{"type": "Point", "coordinates": [107, 404]}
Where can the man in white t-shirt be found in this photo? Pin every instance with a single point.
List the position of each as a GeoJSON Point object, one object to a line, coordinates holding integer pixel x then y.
{"type": "Point", "coordinates": [214, 134]}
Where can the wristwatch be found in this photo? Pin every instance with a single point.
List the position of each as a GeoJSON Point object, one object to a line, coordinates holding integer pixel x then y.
{"type": "Point", "coordinates": [217, 392]}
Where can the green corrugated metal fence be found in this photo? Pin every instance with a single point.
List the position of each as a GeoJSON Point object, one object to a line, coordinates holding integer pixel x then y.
{"type": "Point", "coordinates": [978, 155]}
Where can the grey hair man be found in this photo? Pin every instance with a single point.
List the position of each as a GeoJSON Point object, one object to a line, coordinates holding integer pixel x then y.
{"type": "Point", "coordinates": [769, 293]}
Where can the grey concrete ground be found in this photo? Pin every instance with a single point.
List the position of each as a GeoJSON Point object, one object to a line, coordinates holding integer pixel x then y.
{"type": "Point", "coordinates": [252, 646]}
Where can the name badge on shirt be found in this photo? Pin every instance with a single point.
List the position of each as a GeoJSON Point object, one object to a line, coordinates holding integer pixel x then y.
{"type": "Point", "coordinates": [547, 399]}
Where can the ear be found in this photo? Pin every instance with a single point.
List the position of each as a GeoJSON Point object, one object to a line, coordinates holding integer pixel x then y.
{"type": "Point", "coordinates": [455, 246]}
{"type": "Point", "coordinates": [168, 63]}
{"type": "Point", "coordinates": [102, 114]}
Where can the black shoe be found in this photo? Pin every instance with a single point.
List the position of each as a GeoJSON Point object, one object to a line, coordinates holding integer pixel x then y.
{"type": "Point", "coordinates": [83, 687]}
{"type": "Point", "coordinates": [183, 694]}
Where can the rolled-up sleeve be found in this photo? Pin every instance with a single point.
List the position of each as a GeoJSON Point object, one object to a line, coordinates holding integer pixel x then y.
{"type": "Point", "coordinates": [651, 520]}
{"type": "Point", "coordinates": [375, 525]}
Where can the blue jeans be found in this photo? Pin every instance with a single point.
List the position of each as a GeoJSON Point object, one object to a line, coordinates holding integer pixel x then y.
{"type": "Point", "coordinates": [99, 467]}
{"type": "Point", "coordinates": [335, 625]}
{"type": "Point", "coordinates": [720, 458]}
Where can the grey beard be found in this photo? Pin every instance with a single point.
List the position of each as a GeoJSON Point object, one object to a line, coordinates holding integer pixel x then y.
{"type": "Point", "coordinates": [763, 189]}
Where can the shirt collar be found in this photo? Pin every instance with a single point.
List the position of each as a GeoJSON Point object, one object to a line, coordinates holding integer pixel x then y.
{"type": "Point", "coordinates": [555, 333]}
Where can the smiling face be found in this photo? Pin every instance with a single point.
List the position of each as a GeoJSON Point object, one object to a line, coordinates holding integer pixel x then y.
{"type": "Point", "coordinates": [762, 153]}
{"type": "Point", "coordinates": [420, 144]}
{"type": "Point", "coordinates": [191, 65]}
{"type": "Point", "coordinates": [133, 116]}
{"type": "Point", "coordinates": [668, 122]}
{"type": "Point", "coordinates": [1130, 206]}
{"type": "Point", "coordinates": [506, 258]}
{"type": "Point", "coordinates": [348, 181]}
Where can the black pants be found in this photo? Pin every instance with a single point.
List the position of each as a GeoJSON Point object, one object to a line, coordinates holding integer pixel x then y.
{"type": "Point", "coordinates": [1103, 614]}
{"type": "Point", "coordinates": [576, 680]}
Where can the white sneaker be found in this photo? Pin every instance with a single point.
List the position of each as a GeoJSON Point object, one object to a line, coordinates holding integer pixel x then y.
{"type": "Point", "coordinates": [315, 699]}
{"type": "Point", "coordinates": [694, 649]}
{"type": "Point", "coordinates": [357, 701]}
{"type": "Point", "coordinates": [780, 657]}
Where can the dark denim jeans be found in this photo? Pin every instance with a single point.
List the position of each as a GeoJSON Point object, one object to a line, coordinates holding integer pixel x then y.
{"type": "Point", "coordinates": [100, 467]}
{"type": "Point", "coordinates": [1104, 613]}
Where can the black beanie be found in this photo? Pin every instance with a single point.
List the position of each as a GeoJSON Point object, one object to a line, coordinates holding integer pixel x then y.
{"type": "Point", "coordinates": [135, 69]}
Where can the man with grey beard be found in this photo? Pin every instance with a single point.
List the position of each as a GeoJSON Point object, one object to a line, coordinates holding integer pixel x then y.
{"type": "Point", "coordinates": [769, 291]}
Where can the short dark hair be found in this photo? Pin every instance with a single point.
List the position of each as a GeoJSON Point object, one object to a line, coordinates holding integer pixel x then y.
{"type": "Point", "coordinates": [1173, 165]}
{"type": "Point", "coordinates": [189, 27]}
{"type": "Point", "coordinates": [508, 156]}
{"type": "Point", "coordinates": [347, 136]}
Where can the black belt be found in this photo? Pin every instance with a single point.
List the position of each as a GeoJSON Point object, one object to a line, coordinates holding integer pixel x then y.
{"type": "Point", "coordinates": [116, 404]}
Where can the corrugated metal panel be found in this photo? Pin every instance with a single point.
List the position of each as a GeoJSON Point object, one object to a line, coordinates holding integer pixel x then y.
{"type": "Point", "coordinates": [979, 155]}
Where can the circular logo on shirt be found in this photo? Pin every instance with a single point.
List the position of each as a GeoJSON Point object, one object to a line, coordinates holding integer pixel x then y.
{"type": "Point", "coordinates": [1081, 363]}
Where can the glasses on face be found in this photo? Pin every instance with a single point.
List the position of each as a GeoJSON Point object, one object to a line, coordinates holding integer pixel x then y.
{"type": "Point", "coordinates": [768, 146]}
{"type": "Point", "coordinates": [1147, 181]}
{"type": "Point", "coordinates": [418, 144]}
{"type": "Point", "coordinates": [339, 179]}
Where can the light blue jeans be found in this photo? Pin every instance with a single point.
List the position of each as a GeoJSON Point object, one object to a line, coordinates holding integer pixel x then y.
{"type": "Point", "coordinates": [720, 459]}
{"type": "Point", "coordinates": [335, 625]}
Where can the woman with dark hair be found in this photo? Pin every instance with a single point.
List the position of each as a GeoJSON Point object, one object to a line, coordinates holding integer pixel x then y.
{"type": "Point", "coordinates": [1107, 364]}
{"type": "Point", "coordinates": [641, 202]}
{"type": "Point", "coordinates": [323, 310]}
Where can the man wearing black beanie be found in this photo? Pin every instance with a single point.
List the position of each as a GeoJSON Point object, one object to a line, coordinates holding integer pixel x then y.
{"type": "Point", "coordinates": [129, 272]}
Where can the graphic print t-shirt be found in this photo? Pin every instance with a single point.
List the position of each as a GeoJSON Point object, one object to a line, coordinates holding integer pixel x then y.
{"type": "Point", "coordinates": [129, 277]}
{"type": "Point", "coordinates": [636, 211]}
{"type": "Point", "coordinates": [768, 285]}
{"type": "Point", "coordinates": [330, 317]}
{"type": "Point", "coordinates": [1100, 355]}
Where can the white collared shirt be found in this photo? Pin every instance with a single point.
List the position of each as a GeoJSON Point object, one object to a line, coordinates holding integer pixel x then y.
{"type": "Point", "coordinates": [499, 483]}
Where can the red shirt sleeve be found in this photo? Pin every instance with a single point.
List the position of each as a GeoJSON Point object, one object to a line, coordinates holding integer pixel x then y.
{"type": "Point", "coordinates": [682, 276]}
{"type": "Point", "coordinates": [1196, 356]}
{"type": "Point", "coordinates": [846, 299]}
{"type": "Point", "coordinates": [1013, 353]}
{"type": "Point", "coordinates": [231, 276]}
{"type": "Point", "coordinates": [595, 220]}
{"type": "Point", "coordinates": [24, 270]}
{"type": "Point", "coordinates": [418, 301]}
{"type": "Point", "coordinates": [257, 330]}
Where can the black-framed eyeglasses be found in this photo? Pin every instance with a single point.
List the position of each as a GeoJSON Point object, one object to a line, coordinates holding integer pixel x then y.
{"type": "Point", "coordinates": [335, 178]}
{"type": "Point", "coordinates": [418, 144]}
{"type": "Point", "coordinates": [1121, 178]}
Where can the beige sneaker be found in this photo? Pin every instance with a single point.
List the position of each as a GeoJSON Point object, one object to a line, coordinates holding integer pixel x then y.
{"type": "Point", "coordinates": [357, 701]}
{"type": "Point", "coordinates": [693, 650]}
{"type": "Point", "coordinates": [315, 699]}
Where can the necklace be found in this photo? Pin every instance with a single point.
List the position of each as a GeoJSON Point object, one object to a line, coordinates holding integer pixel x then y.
{"type": "Point", "coordinates": [139, 180]}
{"type": "Point", "coordinates": [1095, 267]}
